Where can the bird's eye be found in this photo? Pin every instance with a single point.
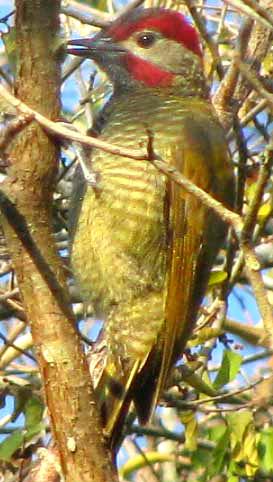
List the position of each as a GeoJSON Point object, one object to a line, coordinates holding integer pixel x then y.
{"type": "Point", "coordinates": [146, 39]}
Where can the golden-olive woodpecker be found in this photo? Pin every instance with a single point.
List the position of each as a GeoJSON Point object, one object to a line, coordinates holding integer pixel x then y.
{"type": "Point", "coordinates": [142, 247]}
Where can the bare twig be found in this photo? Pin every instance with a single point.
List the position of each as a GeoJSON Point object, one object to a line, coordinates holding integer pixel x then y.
{"type": "Point", "coordinates": [16, 347]}
{"type": "Point", "coordinates": [253, 9]}
{"type": "Point", "coordinates": [66, 133]}
{"type": "Point", "coordinates": [85, 17]}
{"type": "Point", "coordinates": [213, 47]}
{"type": "Point", "coordinates": [256, 84]}
{"type": "Point", "coordinates": [223, 100]}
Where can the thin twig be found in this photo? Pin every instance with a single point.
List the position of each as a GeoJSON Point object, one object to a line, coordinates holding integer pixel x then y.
{"type": "Point", "coordinates": [223, 100]}
{"type": "Point", "coordinates": [16, 347]}
{"type": "Point", "coordinates": [256, 84]}
{"type": "Point", "coordinates": [225, 396]}
{"type": "Point", "coordinates": [213, 47]}
{"type": "Point", "coordinates": [66, 133]}
{"type": "Point", "coordinates": [86, 18]}
{"type": "Point", "coordinates": [253, 9]}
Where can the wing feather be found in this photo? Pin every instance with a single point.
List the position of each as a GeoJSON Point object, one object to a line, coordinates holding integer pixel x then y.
{"type": "Point", "coordinates": [196, 234]}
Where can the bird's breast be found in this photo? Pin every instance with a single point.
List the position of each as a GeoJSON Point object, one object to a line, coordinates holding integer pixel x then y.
{"type": "Point", "coordinates": [120, 245]}
{"type": "Point", "coordinates": [121, 241]}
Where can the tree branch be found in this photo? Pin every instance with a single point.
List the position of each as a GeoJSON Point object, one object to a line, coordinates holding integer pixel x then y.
{"type": "Point", "coordinates": [28, 225]}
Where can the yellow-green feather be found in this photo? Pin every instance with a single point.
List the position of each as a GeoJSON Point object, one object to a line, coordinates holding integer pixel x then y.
{"type": "Point", "coordinates": [143, 247]}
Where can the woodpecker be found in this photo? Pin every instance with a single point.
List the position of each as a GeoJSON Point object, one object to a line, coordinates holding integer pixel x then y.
{"type": "Point", "coordinates": [142, 247]}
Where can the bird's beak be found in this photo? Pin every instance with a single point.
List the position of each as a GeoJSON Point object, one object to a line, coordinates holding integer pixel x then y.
{"type": "Point", "coordinates": [86, 47]}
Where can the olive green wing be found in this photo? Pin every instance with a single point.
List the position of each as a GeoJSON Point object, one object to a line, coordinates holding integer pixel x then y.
{"type": "Point", "coordinates": [195, 232]}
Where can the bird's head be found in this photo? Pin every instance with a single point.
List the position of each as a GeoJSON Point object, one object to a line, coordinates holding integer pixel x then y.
{"type": "Point", "coordinates": [153, 48]}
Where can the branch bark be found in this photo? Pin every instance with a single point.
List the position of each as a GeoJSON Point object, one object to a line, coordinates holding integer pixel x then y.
{"type": "Point", "coordinates": [27, 221]}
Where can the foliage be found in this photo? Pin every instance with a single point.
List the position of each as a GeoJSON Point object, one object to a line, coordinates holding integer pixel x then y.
{"type": "Point", "coordinates": [215, 422]}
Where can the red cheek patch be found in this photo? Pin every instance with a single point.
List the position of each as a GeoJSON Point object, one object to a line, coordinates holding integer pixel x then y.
{"type": "Point", "coordinates": [147, 73]}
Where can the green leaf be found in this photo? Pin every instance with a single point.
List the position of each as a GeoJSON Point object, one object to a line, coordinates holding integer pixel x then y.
{"type": "Point", "coordinates": [34, 409]}
{"type": "Point", "coordinates": [188, 418]}
{"type": "Point", "coordinates": [216, 432]}
{"type": "Point", "coordinates": [216, 278]}
{"type": "Point", "coordinates": [21, 397]}
{"type": "Point", "coordinates": [35, 430]}
{"type": "Point", "coordinates": [243, 439]}
{"type": "Point", "coordinates": [233, 478]}
{"type": "Point", "coordinates": [265, 449]}
{"type": "Point", "coordinates": [140, 461]}
{"type": "Point", "coordinates": [219, 455]}
{"type": "Point", "coordinates": [12, 443]}
{"type": "Point", "coordinates": [264, 211]}
{"type": "Point", "coordinates": [238, 423]}
{"type": "Point", "coordinates": [229, 368]}
{"type": "Point", "coordinates": [267, 63]}
{"type": "Point", "coordinates": [200, 457]}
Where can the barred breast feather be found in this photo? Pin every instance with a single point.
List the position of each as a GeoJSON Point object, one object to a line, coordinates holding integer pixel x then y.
{"type": "Point", "coordinates": [144, 247]}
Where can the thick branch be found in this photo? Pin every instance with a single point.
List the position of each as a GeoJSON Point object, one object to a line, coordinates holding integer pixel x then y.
{"type": "Point", "coordinates": [26, 206]}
